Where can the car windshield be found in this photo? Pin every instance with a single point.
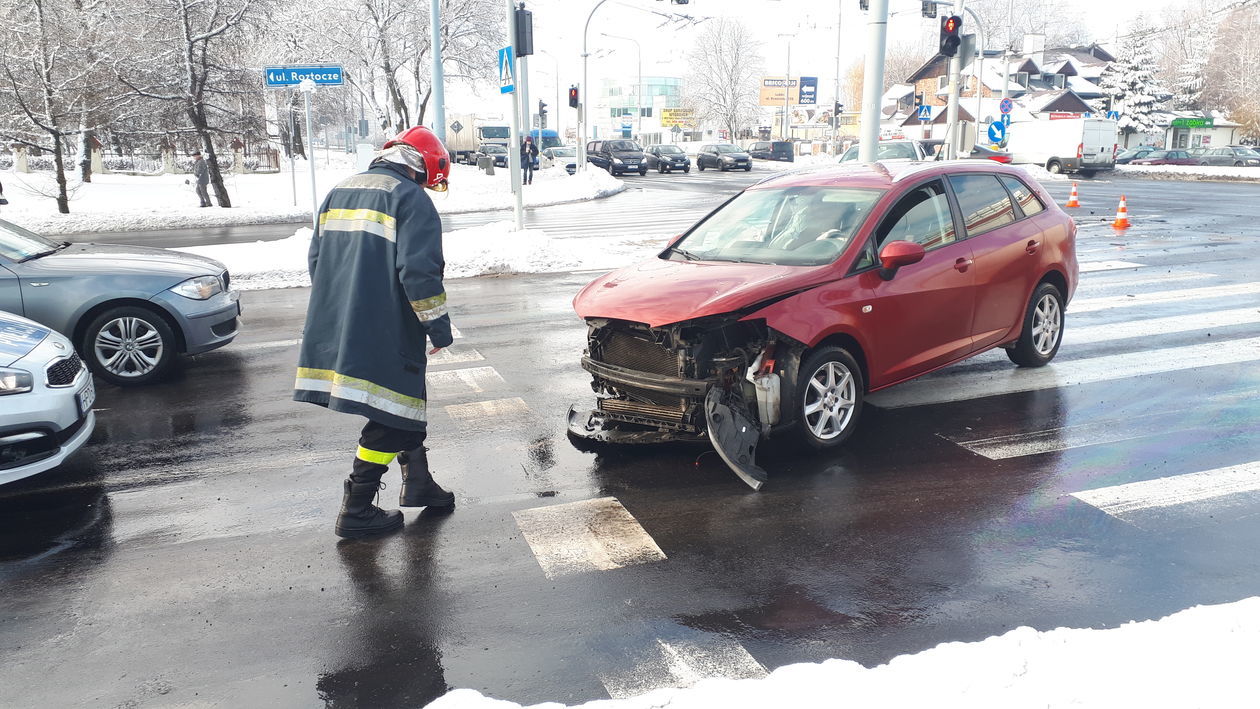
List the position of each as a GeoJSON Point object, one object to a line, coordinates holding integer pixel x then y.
{"type": "Point", "coordinates": [885, 151]}
{"type": "Point", "coordinates": [488, 149]}
{"type": "Point", "coordinates": [548, 141]}
{"type": "Point", "coordinates": [671, 149]}
{"type": "Point", "coordinates": [1249, 153]}
{"type": "Point", "coordinates": [495, 132]}
{"type": "Point", "coordinates": [791, 226]}
{"type": "Point", "coordinates": [19, 244]}
{"type": "Point", "coordinates": [726, 148]}
{"type": "Point", "coordinates": [622, 146]}
{"type": "Point", "coordinates": [563, 152]}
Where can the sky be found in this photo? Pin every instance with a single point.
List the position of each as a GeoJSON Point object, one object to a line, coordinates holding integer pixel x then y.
{"type": "Point", "coordinates": [558, 26]}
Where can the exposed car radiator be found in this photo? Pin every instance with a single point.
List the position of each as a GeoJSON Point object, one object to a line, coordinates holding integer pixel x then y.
{"type": "Point", "coordinates": [622, 349]}
{"type": "Point", "coordinates": [635, 408]}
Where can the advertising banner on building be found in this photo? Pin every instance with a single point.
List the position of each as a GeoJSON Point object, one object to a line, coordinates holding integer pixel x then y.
{"type": "Point", "coordinates": [681, 117]}
{"type": "Point", "coordinates": [773, 88]}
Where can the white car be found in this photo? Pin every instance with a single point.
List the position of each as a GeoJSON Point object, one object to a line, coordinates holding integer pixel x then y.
{"type": "Point", "coordinates": [565, 155]}
{"type": "Point", "coordinates": [46, 397]}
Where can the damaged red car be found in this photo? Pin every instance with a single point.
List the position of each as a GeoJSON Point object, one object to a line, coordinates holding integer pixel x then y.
{"type": "Point", "coordinates": [783, 308]}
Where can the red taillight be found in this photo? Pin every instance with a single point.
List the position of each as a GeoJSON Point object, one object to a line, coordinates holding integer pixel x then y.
{"type": "Point", "coordinates": [1115, 150]}
{"type": "Point", "coordinates": [1080, 150]}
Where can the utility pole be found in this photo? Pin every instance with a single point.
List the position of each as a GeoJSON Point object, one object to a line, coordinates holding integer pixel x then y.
{"type": "Point", "coordinates": [951, 112]}
{"type": "Point", "coordinates": [835, 115]}
{"type": "Point", "coordinates": [873, 81]}
{"type": "Point", "coordinates": [514, 143]}
{"type": "Point", "coordinates": [439, 92]}
{"type": "Point", "coordinates": [584, 90]}
{"type": "Point", "coordinates": [979, 70]}
{"type": "Point", "coordinates": [787, 95]}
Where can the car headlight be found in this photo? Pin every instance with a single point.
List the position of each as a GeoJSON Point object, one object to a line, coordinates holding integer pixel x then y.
{"type": "Point", "coordinates": [15, 381]}
{"type": "Point", "coordinates": [727, 158]}
{"type": "Point", "coordinates": [618, 161]}
{"type": "Point", "coordinates": [199, 288]}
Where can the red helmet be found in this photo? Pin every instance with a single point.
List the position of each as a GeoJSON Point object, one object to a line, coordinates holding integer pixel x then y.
{"type": "Point", "coordinates": [437, 165]}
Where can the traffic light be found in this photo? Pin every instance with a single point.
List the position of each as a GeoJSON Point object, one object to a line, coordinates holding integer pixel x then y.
{"type": "Point", "coordinates": [919, 100]}
{"type": "Point", "coordinates": [542, 114]}
{"type": "Point", "coordinates": [929, 8]}
{"type": "Point", "coordinates": [864, 5]}
{"type": "Point", "coordinates": [837, 109]}
{"type": "Point", "coordinates": [950, 35]}
{"type": "Point", "coordinates": [524, 31]}
{"type": "Point", "coordinates": [573, 97]}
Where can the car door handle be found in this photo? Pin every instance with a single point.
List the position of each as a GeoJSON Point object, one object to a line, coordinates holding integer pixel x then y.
{"type": "Point", "coordinates": [1031, 248]}
{"type": "Point", "coordinates": [961, 264]}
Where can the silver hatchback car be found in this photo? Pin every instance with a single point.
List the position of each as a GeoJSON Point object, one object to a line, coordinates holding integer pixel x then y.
{"type": "Point", "coordinates": [129, 310]}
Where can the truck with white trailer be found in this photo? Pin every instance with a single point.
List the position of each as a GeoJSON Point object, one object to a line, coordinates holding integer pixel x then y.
{"type": "Point", "coordinates": [475, 131]}
{"type": "Point", "coordinates": [1082, 145]}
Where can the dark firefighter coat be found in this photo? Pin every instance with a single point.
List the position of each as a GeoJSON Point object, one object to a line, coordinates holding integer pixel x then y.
{"type": "Point", "coordinates": [376, 291]}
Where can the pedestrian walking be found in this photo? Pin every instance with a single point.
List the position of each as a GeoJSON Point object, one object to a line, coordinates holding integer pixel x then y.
{"type": "Point", "coordinates": [529, 153]}
{"type": "Point", "coordinates": [201, 173]}
{"type": "Point", "coordinates": [376, 292]}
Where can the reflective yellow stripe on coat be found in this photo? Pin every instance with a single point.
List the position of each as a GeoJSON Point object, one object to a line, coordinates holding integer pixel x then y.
{"type": "Point", "coordinates": [430, 308]}
{"type": "Point", "coordinates": [369, 220]}
{"type": "Point", "coordinates": [340, 386]}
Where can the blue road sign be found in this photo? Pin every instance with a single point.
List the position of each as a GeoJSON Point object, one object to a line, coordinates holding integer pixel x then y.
{"type": "Point", "coordinates": [997, 131]}
{"type": "Point", "coordinates": [321, 74]}
{"type": "Point", "coordinates": [1006, 105]}
{"type": "Point", "coordinates": [1006, 120]}
{"type": "Point", "coordinates": [507, 71]}
{"type": "Point", "coordinates": [925, 113]}
{"type": "Point", "coordinates": [1113, 115]}
{"type": "Point", "coordinates": [807, 91]}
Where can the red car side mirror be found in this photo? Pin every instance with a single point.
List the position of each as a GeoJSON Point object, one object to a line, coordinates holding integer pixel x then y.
{"type": "Point", "coordinates": [896, 254]}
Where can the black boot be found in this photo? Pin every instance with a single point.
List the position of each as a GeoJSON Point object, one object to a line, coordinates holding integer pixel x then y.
{"type": "Point", "coordinates": [418, 486]}
{"type": "Point", "coordinates": [359, 517]}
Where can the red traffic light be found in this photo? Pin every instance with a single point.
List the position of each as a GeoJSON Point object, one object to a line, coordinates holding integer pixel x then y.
{"type": "Point", "coordinates": [950, 38]}
{"type": "Point", "coordinates": [573, 97]}
{"type": "Point", "coordinates": [951, 25]}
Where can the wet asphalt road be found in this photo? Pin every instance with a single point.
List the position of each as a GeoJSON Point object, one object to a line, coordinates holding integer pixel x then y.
{"type": "Point", "coordinates": [186, 556]}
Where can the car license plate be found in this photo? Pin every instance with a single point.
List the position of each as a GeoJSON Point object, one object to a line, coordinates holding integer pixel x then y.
{"type": "Point", "coordinates": [86, 397]}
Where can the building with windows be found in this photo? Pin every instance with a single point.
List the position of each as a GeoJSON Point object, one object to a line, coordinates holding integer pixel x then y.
{"type": "Point", "coordinates": [624, 109]}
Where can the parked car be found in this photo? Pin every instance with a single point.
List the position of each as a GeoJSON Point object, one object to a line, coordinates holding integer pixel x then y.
{"type": "Point", "coordinates": [667, 158]}
{"type": "Point", "coordinates": [772, 150]}
{"type": "Point", "coordinates": [560, 155]}
{"type": "Point", "coordinates": [617, 156]}
{"type": "Point", "coordinates": [1132, 154]}
{"type": "Point", "coordinates": [723, 156]}
{"type": "Point", "coordinates": [494, 151]}
{"type": "Point", "coordinates": [1166, 157]}
{"type": "Point", "coordinates": [1231, 155]}
{"type": "Point", "coordinates": [1084, 145]}
{"type": "Point", "coordinates": [129, 310]}
{"type": "Point", "coordinates": [46, 397]}
{"type": "Point", "coordinates": [897, 150]}
{"type": "Point", "coordinates": [781, 310]}
{"type": "Point", "coordinates": [988, 152]}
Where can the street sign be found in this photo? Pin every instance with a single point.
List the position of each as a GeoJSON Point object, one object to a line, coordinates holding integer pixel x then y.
{"type": "Point", "coordinates": [925, 113]}
{"type": "Point", "coordinates": [507, 71]}
{"type": "Point", "coordinates": [321, 74]}
{"type": "Point", "coordinates": [1006, 120]}
{"type": "Point", "coordinates": [967, 50]}
{"type": "Point", "coordinates": [808, 91]}
{"type": "Point", "coordinates": [997, 132]}
{"type": "Point", "coordinates": [1006, 105]}
{"type": "Point", "coordinates": [1113, 115]}
{"type": "Point", "coordinates": [457, 127]}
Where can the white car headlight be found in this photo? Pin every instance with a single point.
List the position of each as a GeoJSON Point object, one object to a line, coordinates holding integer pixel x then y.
{"type": "Point", "coordinates": [727, 158]}
{"type": "Point", "coordinates": [618, 161]}
{"type": "Point", "coordinates": [15, 381]}
{"type": "Point", "coordinates": [199, 288]}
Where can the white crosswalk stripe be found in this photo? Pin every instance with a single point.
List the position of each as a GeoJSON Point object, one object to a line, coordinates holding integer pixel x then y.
{"type": "Point", "coordinates": [682, 663]}
{"type": "Point", "coordinates": [1089, 305]}
{"type": "Point", "coordinates": [1208, 488]}
{"type": "Point", "coordinates": [585, 536]}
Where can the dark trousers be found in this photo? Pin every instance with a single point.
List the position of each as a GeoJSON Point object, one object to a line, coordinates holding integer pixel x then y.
{"type": "Point", "coordinates": [527, 170]}
{"type": "Point", "coordinates": [378, 446]}
{"type": "Point", "coordinates": [204, 193]}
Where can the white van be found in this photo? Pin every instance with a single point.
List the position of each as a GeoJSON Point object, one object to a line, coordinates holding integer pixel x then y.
{"type": "Point", "coordinates": [1083, 145]}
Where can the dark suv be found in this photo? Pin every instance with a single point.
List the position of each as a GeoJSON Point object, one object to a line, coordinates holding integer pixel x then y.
{"type": "Point", "coordinates": [772, 150]}
{"type": "Point", "coordinates": [617, 156]}
{"type": "Point", "coordinates": [723, 156]}
{"type": "Point", "coordinates": [666, 158]}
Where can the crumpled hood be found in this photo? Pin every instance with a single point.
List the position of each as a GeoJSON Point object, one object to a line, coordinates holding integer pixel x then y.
{"type": "Point", "coordinates": [660, 291]}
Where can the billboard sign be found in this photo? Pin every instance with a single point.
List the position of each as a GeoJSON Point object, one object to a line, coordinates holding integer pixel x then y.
{"type": "Point", "coordinates": [773, 89]}
{"type": "Point", "coordinates": [680, 117]}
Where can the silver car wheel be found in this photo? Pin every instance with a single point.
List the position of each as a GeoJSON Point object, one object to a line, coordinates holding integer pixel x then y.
{"type": "Point", "coordinates": [1047, 324]}
{"type": "Point", "coordinates": [829, 400]}
{"type": "Point", "coordinates": [128, 347]}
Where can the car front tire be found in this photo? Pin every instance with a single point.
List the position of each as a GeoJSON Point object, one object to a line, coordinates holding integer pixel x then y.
{"type": "Point", "coordinates": [700, 165]}
{"type": "Point", "coordinates": [748, 168]}
{"type": "Point", "coordinates": [1054, 167]}
{"type": "Point", "coordinates": [129, 346]}
{"type": "Point", "coordinates": [828, 398]}
{"type": "Point", "coordinates": [1042, 333]}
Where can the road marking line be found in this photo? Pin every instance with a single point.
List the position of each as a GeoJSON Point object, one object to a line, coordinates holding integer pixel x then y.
{"type": "Point", "coordinates": [591, 535]}
{"type": "Point", "coordinates": [1088, 305]}
{"type": "Point", "coordinates": [963, 384]}
{"type": "Point", "coordinates": [1096, 266]}
{"type": "Point", "coordinates": [683, 663]}
{"type": "Point", "coordinates": [449, 355]}
{"type": "Point", "coordinates": [455, 333]}
{"type": "Point", "coordinates": [1120, 501]}
{"type": "Point", "coordinates": [269, 345]}
{"type": "Point", "coordinates": [1160, 326]}
{"type": "Point", "coordinates": [459, 381]}
{"type": "Point", "coordinates": [480, 410]}
{"type": "Point", "coordinates": [1101, 281]}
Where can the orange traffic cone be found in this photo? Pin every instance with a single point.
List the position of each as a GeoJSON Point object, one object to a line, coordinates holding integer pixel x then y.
{"type": "Point", "coordinates": [1072, 199]}
{"type": "Point", "coordinates": [1122, 215]}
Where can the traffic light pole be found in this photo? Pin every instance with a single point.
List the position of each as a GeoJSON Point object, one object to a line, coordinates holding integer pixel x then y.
{"type": "Point", "coordinates": [439, 94]}
{"type": "Point", "coordinates": [514, 143]}
{"type": "Point", "coordinates": [951, 112]}
{"type": "Point", "coordinates": [873, 80]}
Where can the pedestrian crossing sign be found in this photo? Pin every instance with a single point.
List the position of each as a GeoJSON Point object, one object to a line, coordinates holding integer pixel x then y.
{"type": "Point", "coordinates": [507, 75]}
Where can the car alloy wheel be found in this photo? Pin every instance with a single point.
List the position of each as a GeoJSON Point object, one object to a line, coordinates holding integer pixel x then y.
{"type": "Point", "coordinates": [1042, 332]}
{"type": "Point", "coordinates": [828, 397]}
{"type": "Point", "coordinates": [129, 345]}
{"type": "Point", "coordinates": [1047, 324]}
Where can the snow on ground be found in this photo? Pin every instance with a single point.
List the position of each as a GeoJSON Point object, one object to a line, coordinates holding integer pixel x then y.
{"type": "Point", "coordinates": [489, 249]}
{"type": "Point", "coordinates": [1201, 657]}
{"type": "Point", "coordinates": [801, 161]}
{"type": "Point", "coordinates": [132, 203]}
{"type": "Point", "coordinates": [1190, 172]}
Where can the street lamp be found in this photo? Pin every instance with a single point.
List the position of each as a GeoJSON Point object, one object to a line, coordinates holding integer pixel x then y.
{"type": "Point", "coordinates": [787, 87]}
{"type": "Point", "coordinates": [638, 92]}
{"type": "Point", "coordinates": [557, 110]}
{"type": "Point", "coordinates": [586, 88]}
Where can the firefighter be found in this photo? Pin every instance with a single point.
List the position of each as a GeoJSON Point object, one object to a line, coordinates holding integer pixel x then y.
{"type": "Point", "coordinates": [376, 292]}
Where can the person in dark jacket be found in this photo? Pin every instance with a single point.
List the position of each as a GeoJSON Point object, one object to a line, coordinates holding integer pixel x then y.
{"type": "Point", "coordinates": [529, 153]}
{"type": "Point", "coordinates": [376, 292]}
{"type": "Point", "coordinates": [201, 173]}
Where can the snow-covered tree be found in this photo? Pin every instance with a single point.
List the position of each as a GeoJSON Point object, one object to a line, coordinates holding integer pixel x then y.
{"type": "Point", "coordinates": [1233, 81]}
{"type": "Point", "coordinates": [1190, 76]}
{"type": "Point", "coordinates": [1130, 82]}
{"type": "Point", "coordinates": [722, 87]}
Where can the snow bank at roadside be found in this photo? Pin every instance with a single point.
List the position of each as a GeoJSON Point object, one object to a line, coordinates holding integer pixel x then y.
{"type": "Point", "coordinates": [800, 162]}
{"type": "Point", "coordinates": [1190, 172]}
{"type": "Point", "coordinates": [1200, 657]}
{"type": "Point", "coordinates": [483, 250]}
{"type": "Point", "coordinates": [138, 203]}
{"type": "Point", "coordinates": [1041, 174]}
